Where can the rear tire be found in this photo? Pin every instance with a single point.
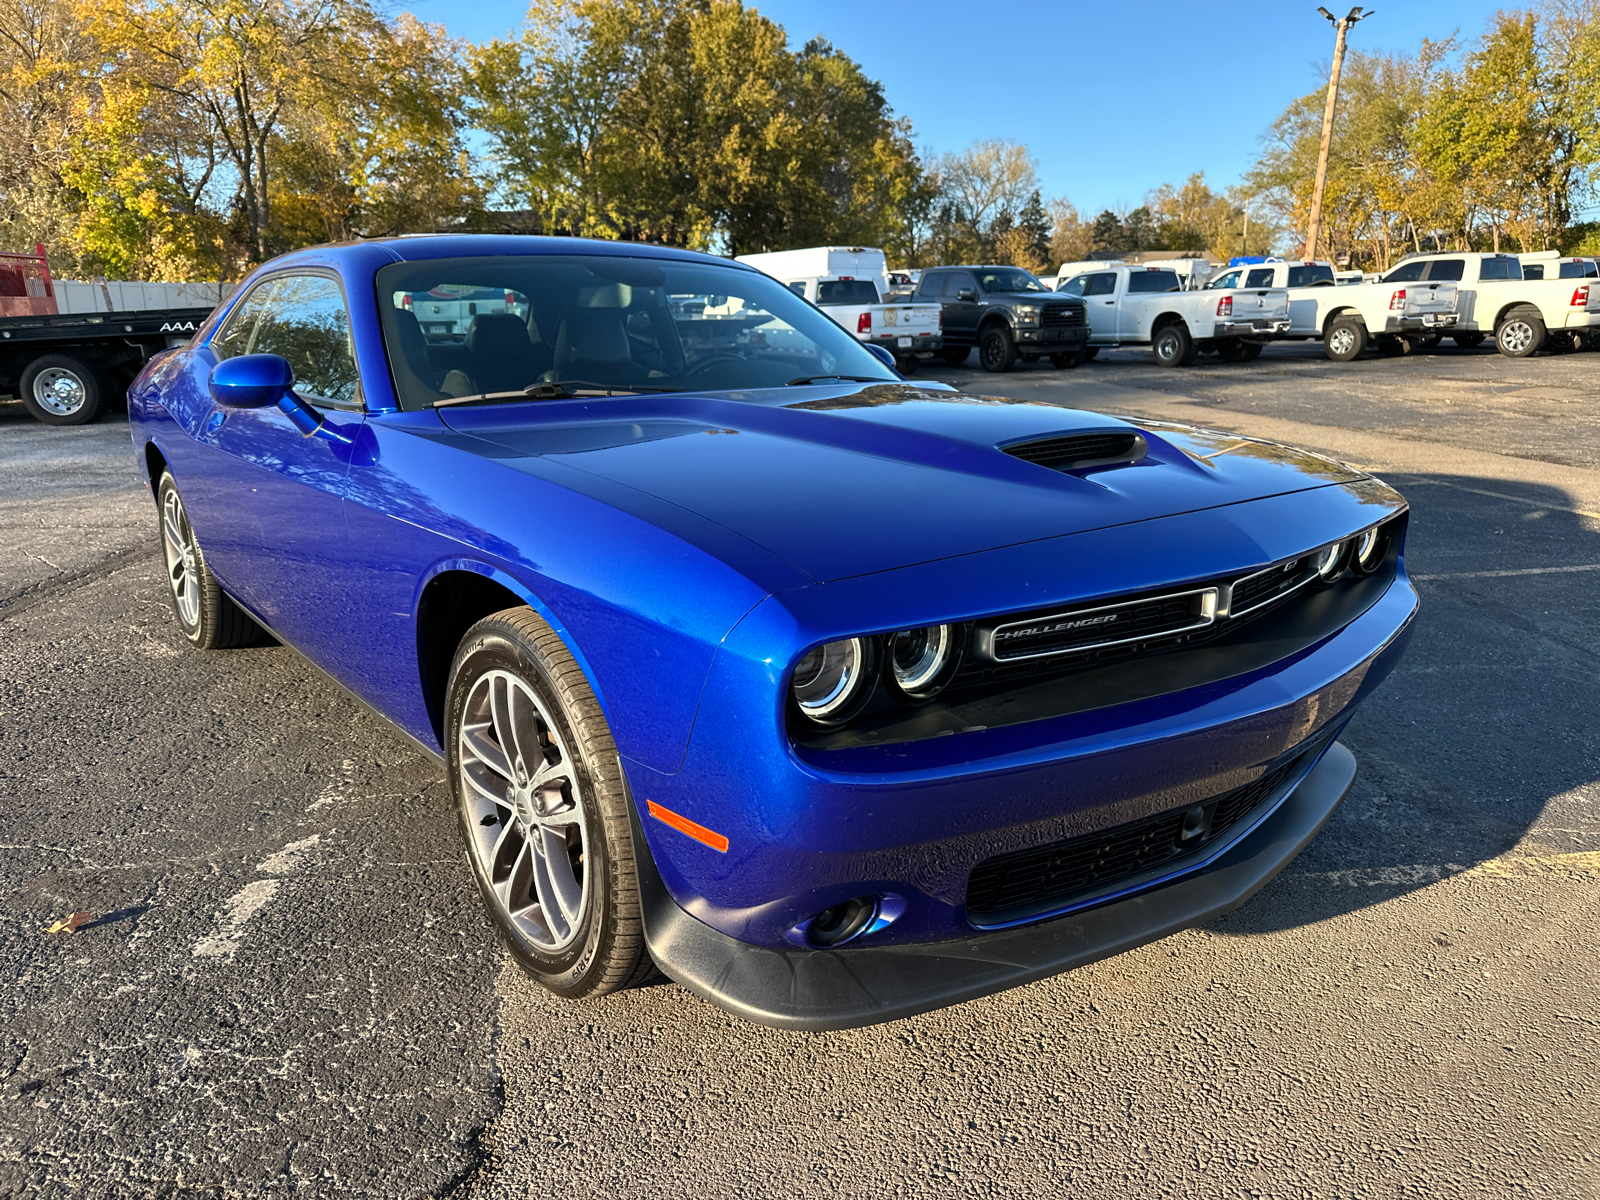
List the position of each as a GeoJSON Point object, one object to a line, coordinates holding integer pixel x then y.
{"type": "Point", "coordinates": [1521, 334]}
{"type": "Point", "coordinates": [208, 618]}
{"type": "Point", "coordinates": [1346, 339]}
{"type": "Point", "coordinates": [63, 389]}
{"type": "Point", "coordinates": [1467, 341]}
{"type": "Point", "coordinates": [1172, 346]}
{"type": "Point", "coordinates": [954, 356]}
{"type": "Point", "coordinates": [1087, 353]}
{"type": "Point", "coordinates": [1237, 350]}
{"type": "Point", "coordinates": [543, 808]}
{"type": "Point", "coordinates": [997, 353]}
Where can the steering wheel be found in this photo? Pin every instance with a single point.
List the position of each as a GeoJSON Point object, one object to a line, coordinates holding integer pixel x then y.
{"type": "Point", "coordinates": [714, 360]}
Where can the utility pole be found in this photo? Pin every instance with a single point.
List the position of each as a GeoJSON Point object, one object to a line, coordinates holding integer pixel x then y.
{"type": "Point", "coordinates": [1340, 29]}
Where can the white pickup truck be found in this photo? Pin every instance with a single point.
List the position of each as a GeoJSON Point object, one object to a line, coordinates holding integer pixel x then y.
{"type": "Point", "coordinates": [906, 330]}
{"type": "Point", "coordinates": [1494, 298]}
{"type": "Point", "coordinates": [1147, 306]}
{"type": "Point", "coordinates": [1349, 318]}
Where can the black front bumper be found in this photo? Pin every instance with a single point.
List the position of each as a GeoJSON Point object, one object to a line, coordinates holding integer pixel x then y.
{"type": "Point", "coordinates": [1053, 339]}
{"type": "Point", "coordinates": [842, 989]}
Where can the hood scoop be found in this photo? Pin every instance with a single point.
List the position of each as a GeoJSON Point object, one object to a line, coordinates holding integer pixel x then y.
{"type": "Point", "coordinates": [1077, 451]}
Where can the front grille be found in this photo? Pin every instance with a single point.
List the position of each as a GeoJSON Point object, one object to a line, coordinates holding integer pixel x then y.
{"type": "Point", "coordinates": [1101, 625]}
{"type": "Point", "coordinates": [1031, 883]}
{"type": "Point", "coordinates": [1060, 315]}
{"type": "Point", "coordinates": [1075, 451]}
{"type": "Point", "coordinates": [1263, 587]}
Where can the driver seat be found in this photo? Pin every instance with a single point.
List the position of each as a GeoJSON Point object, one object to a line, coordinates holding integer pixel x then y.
{"type": "Point", "coordinates": [593, 343]}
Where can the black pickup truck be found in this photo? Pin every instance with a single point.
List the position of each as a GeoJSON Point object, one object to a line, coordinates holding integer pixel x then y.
{"type": "Point", "coordinates": [68, 369]}
{"type": "Point", "coordinates": [1007, 314]}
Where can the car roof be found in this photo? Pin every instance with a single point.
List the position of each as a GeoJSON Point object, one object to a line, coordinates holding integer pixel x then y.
{"type": "Point", "coordinates": [420, 248]}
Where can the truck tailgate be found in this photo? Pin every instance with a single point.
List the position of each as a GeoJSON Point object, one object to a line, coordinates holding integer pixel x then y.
{"type": "Point", "coordinates": [1260, 303]}
{"type": "Point", "coordinates": [1423, 298]}
{"type": "Point", "coordinates": [910, 318]}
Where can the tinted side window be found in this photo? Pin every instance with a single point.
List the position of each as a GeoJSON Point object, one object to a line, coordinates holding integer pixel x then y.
{"type": "Point", "coordinates": [1155, 281]}
{"type": "Point", "coordinates": [238, 334]}
{"type": "Point", "coordinates": [1102, 284]}
{"type": "Point", "coordinates": [1409, 272]}
{"type": "Point", "coordinates": [1228, 279]}
{"type": "Point", "coordinates": [1500, 268]}
{"type": "Point", "coordinates": [961, 280]}
{"type": "Point", "coordinates": [305, 321]}
{"type": "Point", "coordinates": [1446, 269]}
{"type": "Point", "coordinates": [847, 291]}
{"type": "Point", "coordinates": [931, 287]}
{"type": "Point", "coordinates": [1075, 285]}
{"type": "Point", "coordinates": [1572, 270]}
{"type": "Point", "coordinates": [1259, 277]}
{"type": "Point", "coordinates": [798, 287]}
{"type": "Point", "coordinates": [1310, 276]}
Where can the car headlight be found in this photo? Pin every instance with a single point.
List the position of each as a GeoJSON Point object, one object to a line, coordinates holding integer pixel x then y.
{"type": "Point", "coordinates": [1330, 561]}
{"type": "Point", "coordinates": [1371, 547]}
{"type": "Point", "coordinates": [1027, 314]}
{"type": "Point", "coordinates": [833, 681]}
{"type": "Point", "coordinates": [921, 661]}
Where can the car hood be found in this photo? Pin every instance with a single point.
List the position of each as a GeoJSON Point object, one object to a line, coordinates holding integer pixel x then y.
{"type": "Point", "coordinates": [848, 480]}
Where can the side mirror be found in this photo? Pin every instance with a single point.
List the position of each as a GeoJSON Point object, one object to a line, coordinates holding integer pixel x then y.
{"type": "Point", "coordinates": [251, 381]}
{"type": "Point", "coordinates": [966, 294]}
{"type": "Point", "coordinates": [880, 353]}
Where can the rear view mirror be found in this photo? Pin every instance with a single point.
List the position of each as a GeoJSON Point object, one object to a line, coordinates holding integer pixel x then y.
{"type": "Point", "coordinates": [251, 381]}
{"type": "Point", "coordinates": [966, 294]}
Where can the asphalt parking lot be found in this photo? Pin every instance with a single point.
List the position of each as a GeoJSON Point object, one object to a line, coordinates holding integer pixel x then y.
{"type": "Point", "coordinates": [287, 988]}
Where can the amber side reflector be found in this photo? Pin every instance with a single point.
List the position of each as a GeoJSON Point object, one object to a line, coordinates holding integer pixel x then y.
{"type": "Point", "coordinates": [687, 827]}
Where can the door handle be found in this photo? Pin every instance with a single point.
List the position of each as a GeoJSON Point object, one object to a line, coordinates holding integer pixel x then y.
{"type": "Point", "coordinates": [1109, 302]}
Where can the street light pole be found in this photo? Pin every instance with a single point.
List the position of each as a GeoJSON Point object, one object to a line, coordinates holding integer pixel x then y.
{"type": "Point", "coordinates": [1341, 27]}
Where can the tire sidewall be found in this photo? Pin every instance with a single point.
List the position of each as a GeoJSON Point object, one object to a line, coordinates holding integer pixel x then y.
{"type": "Point", "coordinates": [995, 351]}
{"type": "Point", "coordinates": [1357, 341]}
{"type": "Point", "coordinates": [1168, 346]}
{"type": "Point", "coordinates": [1524, 321]}
{"type": "Point", "coordinates": [566, 972]}
{"type": "Point", "coordinates": [95, 390]}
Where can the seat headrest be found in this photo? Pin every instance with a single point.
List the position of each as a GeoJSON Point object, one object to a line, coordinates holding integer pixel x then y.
{"type": "Point", "coordinates": [412, 344]}
{"type": "Point", "coordinates": [497, 333]}
{"type": "Point", "coordinates": [593, 335]}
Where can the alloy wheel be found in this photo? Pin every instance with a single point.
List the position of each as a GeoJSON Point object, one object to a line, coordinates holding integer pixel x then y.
{"type": "Point", "coordinates": [183, 571]}
{"type": "Point", "coordinates": [526, 810]}
{"type": "Point", "coordinates": [59, 391]}
{"type": "Point", "coordinates": [1341, 341]}
{"type": "Point", "coordinates": [1516, 336]}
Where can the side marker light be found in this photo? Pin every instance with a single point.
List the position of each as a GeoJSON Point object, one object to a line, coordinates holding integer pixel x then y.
{"type": "Point", "coordinates": [688, 828]}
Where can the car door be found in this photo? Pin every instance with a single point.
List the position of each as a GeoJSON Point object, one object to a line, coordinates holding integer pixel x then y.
{"type": "Point", "coordinates": [273, 509]}
{"type": "Point", "coordinates": [961, 315]}
{"type": "Point", "coordinates": [1100, 305]}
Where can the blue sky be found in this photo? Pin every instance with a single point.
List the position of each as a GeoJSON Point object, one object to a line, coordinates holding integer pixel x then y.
{"type": "Point", "coordinates": [1112, 99]}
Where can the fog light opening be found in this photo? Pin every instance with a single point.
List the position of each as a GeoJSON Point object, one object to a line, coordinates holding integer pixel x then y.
{"type": "Point", "coordinates": [839, 923]}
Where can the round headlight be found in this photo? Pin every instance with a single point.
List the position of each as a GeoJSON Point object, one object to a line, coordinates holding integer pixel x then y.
{"type": "Point", "coordinates": [1370, 549]}
{"type": "Point", "coordinates": [921, 660]}
{"type": "Point", "coordinates": [1330, 562]}
{"type": "Point", "coordinates": [832, 682]}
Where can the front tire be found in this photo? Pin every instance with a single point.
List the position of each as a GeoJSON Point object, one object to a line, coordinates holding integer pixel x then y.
{"type": "Point", "coordinates": [63, 389]}
{"type": "Point", "coordinates": [543, 808]}
{"type": "Point", "coordinates": [208, 618]}
{"type": "Point", "coordinates": [997, 353]}
{"type": "Point", "coordinates": [1521, 334]}
{"type": "Point", "coordinates": [1172, 346]}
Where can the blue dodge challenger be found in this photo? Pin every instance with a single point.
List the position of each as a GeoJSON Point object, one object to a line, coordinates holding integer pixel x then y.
{"type": "Point", "coordinates": [834, 696]}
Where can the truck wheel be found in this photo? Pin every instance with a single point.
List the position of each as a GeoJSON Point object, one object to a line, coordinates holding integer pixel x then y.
{"type": "Point", "coordinates": [1347, 338]}
{"type": "Point", "coordinates": [1087, 354]}
{"type": "Point", "coordinates": [1065, 362]}
{"type": "Point", "coordinates": [1467, 341]}
{"type": "Point", "coordinates": [1234, 350]}
{"type": "Point", "coordinates": [1521, 333]}
{"type": "Point", "coordinates": [61, 389]}
{"type": "Point", "coordinates": [954, 356]}
{"type": "Point", "coordinates": [1173, 347]}
{"type": "Point", "coordinates": [996, 351]}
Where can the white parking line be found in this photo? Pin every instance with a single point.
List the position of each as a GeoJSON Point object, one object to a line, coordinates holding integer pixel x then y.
{"type": "Point", "coordinates": [249, 900]}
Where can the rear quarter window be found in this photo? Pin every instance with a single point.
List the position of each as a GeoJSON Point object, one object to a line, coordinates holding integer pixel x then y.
{"type": "Point", "coordinates": [1446, 270]}
{"type": "Point", "coordinates": [1500, 267]}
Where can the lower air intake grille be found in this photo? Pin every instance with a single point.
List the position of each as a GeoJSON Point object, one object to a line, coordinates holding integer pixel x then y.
{"type": "Point", "coordinates": [1073, 451]}
{"type": "Point", "coordinates": [1266, 586]}
{"type": "Point", "coordinates": [1031, 883]}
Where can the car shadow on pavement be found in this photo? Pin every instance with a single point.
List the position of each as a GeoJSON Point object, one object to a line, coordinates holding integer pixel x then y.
{"type": "Point", "coordinates": [1482, 741]}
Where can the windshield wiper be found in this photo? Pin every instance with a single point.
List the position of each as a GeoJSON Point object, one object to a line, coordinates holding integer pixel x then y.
{"type": "Point", "coordinates": [804, 379]}
{"type": "Point", "coordinates": [564, 390]}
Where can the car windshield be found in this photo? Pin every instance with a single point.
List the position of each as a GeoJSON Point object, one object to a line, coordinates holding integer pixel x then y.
{"type": "Point", "coordinates": [563, 323]}
{"type": "Point", "coordinates": [1009, 279]}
